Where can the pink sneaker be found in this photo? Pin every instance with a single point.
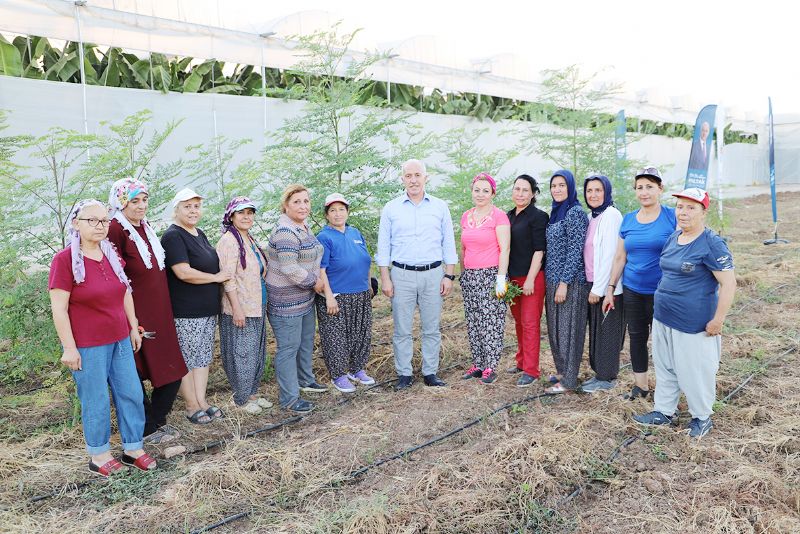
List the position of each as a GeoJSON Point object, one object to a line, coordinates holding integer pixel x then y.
{"type": "Point", "coordinates": [488, 376]}
{"type": "Point", "coordinates": [362, 377]}
{"type": "Point", "coordinates": [472, 372]}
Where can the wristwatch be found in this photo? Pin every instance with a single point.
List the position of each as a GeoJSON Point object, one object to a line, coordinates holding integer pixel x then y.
{"type": "Point", "coordinates": [450, 277]}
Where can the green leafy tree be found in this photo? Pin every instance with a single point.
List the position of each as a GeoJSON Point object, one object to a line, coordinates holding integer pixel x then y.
{"type": "Point", "coordinates": [583, 137]}
{"type": "Point", "coordinates": [127, 151]}
{"type": "Point", "coordinates": [463, 160]}
{"type": "Point", "coordinates": [335, 144]}
{"type": "Point", "coordinates": [219, 179]}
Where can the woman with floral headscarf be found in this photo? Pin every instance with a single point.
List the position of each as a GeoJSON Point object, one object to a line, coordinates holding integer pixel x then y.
{"type": "Point", "coordinates": [606, 330]}
{"type": "Point", "coordinates": [566, 290]}
{"type": "Point", "coordinates": [242, 325]}
{"type": "Point", "coordinates": [96, 323]}
{"type": "Point", "coordinates": [159, 360]}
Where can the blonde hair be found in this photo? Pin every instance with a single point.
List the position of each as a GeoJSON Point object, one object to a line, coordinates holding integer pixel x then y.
{"type": "Point", "coordinates": [291, 190]}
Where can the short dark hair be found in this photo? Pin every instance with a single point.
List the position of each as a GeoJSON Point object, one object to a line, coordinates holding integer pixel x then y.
{"type": "Point", "coordinates": [346, 207]}
{"type": "Point", "coordinates": [532, 181]}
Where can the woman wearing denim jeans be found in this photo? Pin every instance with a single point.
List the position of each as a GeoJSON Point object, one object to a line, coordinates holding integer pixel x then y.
{"type": "Point", "coordinates": [293, 277]}
{"type": "Point", "coordinates": [95, 320]}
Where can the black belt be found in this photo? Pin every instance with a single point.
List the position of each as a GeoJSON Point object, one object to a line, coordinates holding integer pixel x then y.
{"type": "Point", "coordinates": [417, 267]}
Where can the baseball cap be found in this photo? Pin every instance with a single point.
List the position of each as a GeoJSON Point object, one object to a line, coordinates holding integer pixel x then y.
{"type": "Point", "coordinates": [696, 194]}
{"type": "Point", "coordinates": [649, 172]}
{"type": "Point", "coordinates": [335, 197]}
{"type": "Point", "coordinates": [184, 195]}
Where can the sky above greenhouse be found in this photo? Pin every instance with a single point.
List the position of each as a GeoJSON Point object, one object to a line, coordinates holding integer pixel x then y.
{"type": "Point", "coordinates": [731, 53]}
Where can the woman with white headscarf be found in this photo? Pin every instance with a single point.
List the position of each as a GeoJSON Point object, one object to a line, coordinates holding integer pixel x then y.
{"type": "Point", "coordinates": [159, 360]}
{"type": "Point", "coordinates": [96, 323]}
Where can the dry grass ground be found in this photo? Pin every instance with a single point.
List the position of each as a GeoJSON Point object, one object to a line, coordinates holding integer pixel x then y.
{"type": "Point", "coordinates": [573, 463]}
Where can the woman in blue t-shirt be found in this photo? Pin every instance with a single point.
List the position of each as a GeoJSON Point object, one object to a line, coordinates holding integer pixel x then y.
{"type": "Point", "coordinates": [344, 310]}
{"type": "Point", "coordinates": [689, 314]}
{"type": "Point", "coordinates": [641, 238]}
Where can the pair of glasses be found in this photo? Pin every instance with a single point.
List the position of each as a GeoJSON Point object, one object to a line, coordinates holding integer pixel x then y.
{"type": "Point", "coordinates": [94, 221]}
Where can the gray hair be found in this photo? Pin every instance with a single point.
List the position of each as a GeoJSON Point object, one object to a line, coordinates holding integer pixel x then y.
{"type": "Point", "coordinates": [412, 162]}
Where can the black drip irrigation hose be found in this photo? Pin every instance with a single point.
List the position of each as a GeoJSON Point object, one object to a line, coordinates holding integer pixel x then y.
{"type": "Point", "coordinates": [219, 442]}
{"type": "Point", "coordinates": [358, 472]}
{"type": "Point", "coordinates": [221, 522]}
{"type": "Point", "coordinates": [631, 439]}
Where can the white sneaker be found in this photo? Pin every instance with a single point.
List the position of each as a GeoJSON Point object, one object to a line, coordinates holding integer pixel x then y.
{"type": "Point", "coordinates": [264, 403]}
{"type": "Point", "coordinates": [252, 408]}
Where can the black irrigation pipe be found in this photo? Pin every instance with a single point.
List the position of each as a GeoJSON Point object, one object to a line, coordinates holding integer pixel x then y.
{"type": "Point", "coordinates": [766, 364]}
{"type": "Point", "coordinates": [222, 522]}
{"type": "Point", "coordinates": [631, 439]}
{"type": "Point", "coordinates": [358, 472]}
{"type": "Point", "coordinates": [219, 442]}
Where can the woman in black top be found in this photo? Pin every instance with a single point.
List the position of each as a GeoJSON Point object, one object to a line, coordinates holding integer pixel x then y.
{"type": "Point", "coordinates": [528, 226]}
{"type": "Point", "coordinates": [194, 288]}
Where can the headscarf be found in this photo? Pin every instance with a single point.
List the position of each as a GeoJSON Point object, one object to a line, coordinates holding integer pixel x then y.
{"type": "Point", "coordinates": [559, 210]}
{"type": "Point", "coordinates": [108, 249]}
{"type": "Point", "coordinates": [488, 178]}
{"type": "Point", "coordinates": [122, 192]}
{"type": "Point", "coordinates": [607, 201]}
{"type": "Point", "coordinates": [238, 204]}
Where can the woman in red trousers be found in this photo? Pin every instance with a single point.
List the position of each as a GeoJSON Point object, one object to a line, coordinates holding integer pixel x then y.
{"type": "Point", "coordinates": [526, 269]}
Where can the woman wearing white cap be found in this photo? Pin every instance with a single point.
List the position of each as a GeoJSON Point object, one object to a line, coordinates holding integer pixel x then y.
{"type": "Point", "coordinates": [692, 299]}
{"type": "Point", "coordinates": [242, 324]}
{"type": "Point", "coordinates": [345, 310]}
{"type": "Point", "coordinates": [193, 278]}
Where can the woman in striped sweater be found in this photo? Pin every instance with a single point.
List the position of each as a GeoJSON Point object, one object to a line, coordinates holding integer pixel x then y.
{"type": "Point", "coordinates": [293, 277]}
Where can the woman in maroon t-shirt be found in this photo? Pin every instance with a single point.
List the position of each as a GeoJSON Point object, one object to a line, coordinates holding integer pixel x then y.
{"type": "Point", "coordinates": [96, 323]}
{"type": "Point", "coordinates": [159, 360]}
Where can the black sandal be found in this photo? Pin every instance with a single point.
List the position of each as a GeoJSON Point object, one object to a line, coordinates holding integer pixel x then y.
{"type": "Point", "coordinates": [196, 418]}
{"type": "Point", "coordinates": [637, 393]}
{"type": "Point", "coordinates": [214, 412]}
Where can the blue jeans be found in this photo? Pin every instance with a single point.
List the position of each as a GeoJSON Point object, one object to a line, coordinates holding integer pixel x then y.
{"type": "Point", "coordinates": [295, 339]}
{"type": "Point", "coordinates": [101, 367]}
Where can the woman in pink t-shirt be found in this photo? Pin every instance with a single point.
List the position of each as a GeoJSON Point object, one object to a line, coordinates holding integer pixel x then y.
{"type": "Point", "coordinates": [485, 243]}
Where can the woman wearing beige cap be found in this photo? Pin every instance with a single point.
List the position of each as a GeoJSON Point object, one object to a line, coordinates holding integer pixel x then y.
{"type": "Point", "coordinates": [344, 310]}
{"type": "Point", "coordinates": [194, 280]}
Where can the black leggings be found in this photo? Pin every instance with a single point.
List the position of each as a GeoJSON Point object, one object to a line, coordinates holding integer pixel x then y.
{"type": "Point", "coordinates": [638, 310]}
{"type": "Point", "coordinates": [158, 405]}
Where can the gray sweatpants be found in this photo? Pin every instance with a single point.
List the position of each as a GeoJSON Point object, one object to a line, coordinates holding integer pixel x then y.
{"type": "Point", "coordinates": [688, 363]}
{"type": "Point", "coordinates": [412, 289]}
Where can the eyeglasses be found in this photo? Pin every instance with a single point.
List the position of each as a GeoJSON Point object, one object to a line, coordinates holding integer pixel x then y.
{"type": "Point", "coordinates": [94, 221]}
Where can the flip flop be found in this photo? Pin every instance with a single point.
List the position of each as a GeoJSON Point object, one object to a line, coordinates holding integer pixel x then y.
{"type": "Point", "coordinates": [556, 388]}
{"type": "Point", "coordinates": [143, 462]}
{"type": "Point", "coordinates": [196, 417]}
{"type": "Point", "coordinates": [111, 466]}
{"type": "Point", "coordinates": [214, 412]}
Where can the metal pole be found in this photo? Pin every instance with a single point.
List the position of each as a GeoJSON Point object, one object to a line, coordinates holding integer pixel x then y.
{"type": "Point", "coordinates": [264, 36]}
{"type": "Point", "coordinates": [79, 4]}
{"type": "Point", "coordinates": [720, 143]}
